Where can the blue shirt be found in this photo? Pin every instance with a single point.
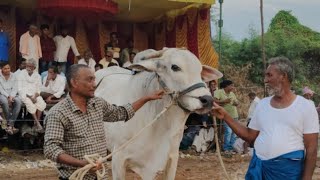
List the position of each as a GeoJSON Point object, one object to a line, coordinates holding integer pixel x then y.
{"type": "Point", "coordinates": [4, 46]}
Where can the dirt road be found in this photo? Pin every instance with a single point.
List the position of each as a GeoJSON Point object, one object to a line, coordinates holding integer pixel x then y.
{"type": "Point", "coordinates": [18, 166]}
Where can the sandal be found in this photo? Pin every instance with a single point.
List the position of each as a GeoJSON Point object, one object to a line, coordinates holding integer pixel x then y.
{"type": "Point", "coordinates": [11, 130]}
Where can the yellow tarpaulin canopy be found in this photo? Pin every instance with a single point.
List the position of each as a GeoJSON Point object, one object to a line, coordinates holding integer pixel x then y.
{"type": "Point", "coordinates": [196, 1]}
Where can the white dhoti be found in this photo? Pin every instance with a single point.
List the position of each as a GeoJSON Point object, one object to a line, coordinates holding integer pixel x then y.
{"type": "Point", "coordinates": [33, 107]}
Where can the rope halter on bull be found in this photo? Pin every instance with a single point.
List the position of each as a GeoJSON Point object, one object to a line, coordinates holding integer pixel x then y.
{"type": "Point", "coordinates": [95, 159]}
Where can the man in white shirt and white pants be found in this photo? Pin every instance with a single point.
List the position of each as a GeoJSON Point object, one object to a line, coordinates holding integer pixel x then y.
{"type": "Point", "coordinates": [63, 43]}
{"type": "Point", "coordinates": [29, 84]}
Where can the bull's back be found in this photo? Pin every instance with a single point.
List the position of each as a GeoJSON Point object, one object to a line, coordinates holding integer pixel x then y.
{"type": "Point", "coordinates": [113, 85]}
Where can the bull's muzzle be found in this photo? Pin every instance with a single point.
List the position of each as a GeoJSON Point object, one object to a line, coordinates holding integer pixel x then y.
{"type": "Point", "coordinates": [206, 101]}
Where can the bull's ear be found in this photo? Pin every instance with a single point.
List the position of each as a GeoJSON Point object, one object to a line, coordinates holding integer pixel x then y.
{"type": "Point", "coordinates": [208, 73]}
{"type": "Point", "coordinates": [149, 65]}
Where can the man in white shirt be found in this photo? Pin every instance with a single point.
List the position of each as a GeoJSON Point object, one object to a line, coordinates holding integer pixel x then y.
{"type": "Point", "coordinates": [53, 86]}
{"type": "Point", "coordinates": [29, 84]}
{"type": "Point", "coordinates": [9, 98]}
{"type": "Point", "coordinates": [107, 59]}
{"type": "Point", "coordinates": [254, 100]}
{"type": "Point", "coordinates": [284, 129]}
{"type": "Point", "coordinates": [63, 43]}
{"type": "Point", "coordinates": [87, 59]}
{"type": "Point", "coordinates": [29, 45]}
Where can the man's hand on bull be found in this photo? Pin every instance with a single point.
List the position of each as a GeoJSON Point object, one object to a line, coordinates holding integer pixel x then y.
{"type": "Point", "coordinates": [156, 95]}
{"type": "Point", "coordinates": [139, 103]}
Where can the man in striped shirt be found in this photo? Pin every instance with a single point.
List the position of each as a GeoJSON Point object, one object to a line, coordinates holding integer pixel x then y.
{"type": "Point", "coordinates": [74, 127]}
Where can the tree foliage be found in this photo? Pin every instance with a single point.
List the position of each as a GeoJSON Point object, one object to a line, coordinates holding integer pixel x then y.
{"type": "Point", "coordinates": [285, 37]}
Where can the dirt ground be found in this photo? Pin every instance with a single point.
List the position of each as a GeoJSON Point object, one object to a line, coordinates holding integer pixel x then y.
{"type": "Point", "coordinates": [18, 166]}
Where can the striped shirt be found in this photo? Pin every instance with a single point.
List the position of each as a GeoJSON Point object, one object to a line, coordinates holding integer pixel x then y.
{"type": "Point", "coordinates": [70, 131]}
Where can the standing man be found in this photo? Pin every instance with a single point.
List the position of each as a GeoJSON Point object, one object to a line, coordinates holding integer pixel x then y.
{"type": "Point", "coordinates": [48, 47]}
{"type": "Point", "coordinates": [284, 129]}
{"type": "Point", "coordinates": [74, 127]}
{"type": "Point", "coordinates": [229, 101]}
{"type": "Point", "coordinates": [30, 47]}
{"type": "Point", "coordinates": [9, 98]}
{"type": "Point", "coordinates": [4, 43]}
{"type": "Point", "coordinates": [63, 43]}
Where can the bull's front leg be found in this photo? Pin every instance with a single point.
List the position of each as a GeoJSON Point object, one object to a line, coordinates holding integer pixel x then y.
{"type": "Point", "coordinates": [171, 167]}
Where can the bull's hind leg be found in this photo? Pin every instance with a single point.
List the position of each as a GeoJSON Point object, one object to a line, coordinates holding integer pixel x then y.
{"type": "Point", "coordinates": [118, 168]}
{"type": "Point", "coordinates": [171, 167]}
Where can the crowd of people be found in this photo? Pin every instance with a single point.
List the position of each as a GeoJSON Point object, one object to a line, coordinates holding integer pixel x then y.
{"type": "Point", "coordinates": [282, 128]}
{"type": "Point", "coordinates": [40, 80]}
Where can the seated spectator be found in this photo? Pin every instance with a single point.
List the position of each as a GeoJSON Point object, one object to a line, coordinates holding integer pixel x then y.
{"type": "Point", "coordinates": [130, 61]}
{"type": "Point", "coordinates": [45, 73]}
{"type": "Point", "coordinates": [205, 136]}
{"type": "Point", "coordinates": [87, 60]}
{"type": "Point", "coordinates": [107, 59]}
{"type": "Point", "coordinates": [203, 140]}
{"type": "Point", "coordinates": [29, 84]}
{"type": "Point", "coordinates": [112, 64]}
{"type": "Point", "coordinates": [193, 125]}
{"type": "Point", "coordinates": [9, 98]}
{"type": "Point", "coordinates": [53, 86]}
{"type": "Point", "coordinates": [22, 66]}
{"type": "Point", "coordinates": [98, 67]}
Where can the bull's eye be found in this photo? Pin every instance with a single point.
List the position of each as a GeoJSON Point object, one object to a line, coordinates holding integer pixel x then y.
{"type": "Point", "coordinates": [175, 68]}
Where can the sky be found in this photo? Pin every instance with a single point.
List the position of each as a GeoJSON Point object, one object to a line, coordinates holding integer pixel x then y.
{"type": "Point", "coordinates": [239, 15]}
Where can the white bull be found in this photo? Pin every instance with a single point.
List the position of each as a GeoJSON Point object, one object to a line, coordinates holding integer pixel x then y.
{"type": "Point", "coordinates": [156, 150]}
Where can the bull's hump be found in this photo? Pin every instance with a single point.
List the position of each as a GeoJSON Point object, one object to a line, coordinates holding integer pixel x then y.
{"type": "Point", "coordinates": [111, 71]}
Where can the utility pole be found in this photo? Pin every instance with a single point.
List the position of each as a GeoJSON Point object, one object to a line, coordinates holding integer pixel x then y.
{"type": "Point", "coordinates": [220, 32]}
{"type": "Point", "coordinates": [262, 44]}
